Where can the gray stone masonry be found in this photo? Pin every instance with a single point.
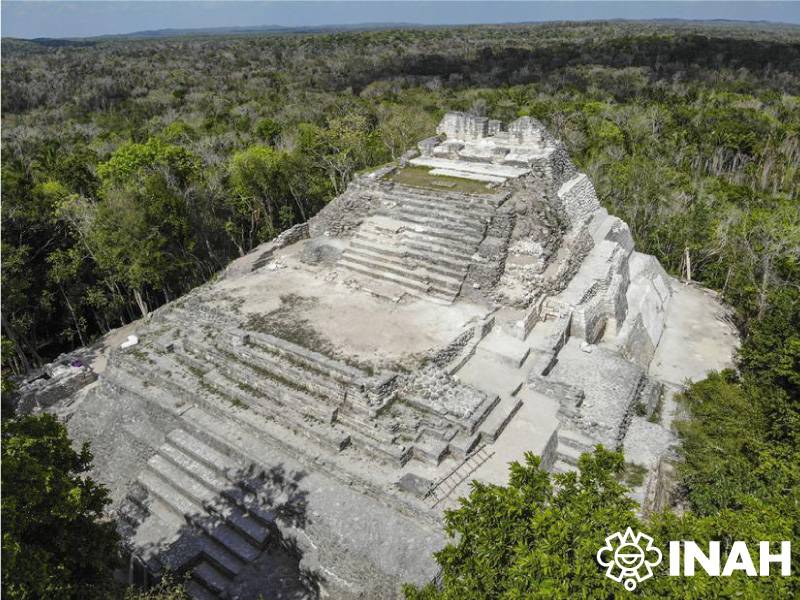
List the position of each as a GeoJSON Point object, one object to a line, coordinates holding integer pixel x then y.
{"type": "Point", "coordinates": [296, 427]}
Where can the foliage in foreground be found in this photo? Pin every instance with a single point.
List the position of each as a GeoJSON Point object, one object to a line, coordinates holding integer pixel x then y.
{"type": "Point", "coordinates": [55, 541]}
{"type": "Point", "coordinates": [537, 538]}
{"type": "Point", "coordinates": [166, 589]}
{"type": "Point", "coordinates": [129, 184]}
{"type": "Point", "coordinates": [739, 479]}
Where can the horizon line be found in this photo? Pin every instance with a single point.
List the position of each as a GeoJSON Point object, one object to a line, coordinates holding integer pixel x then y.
{"type": "Point", "coordinates": [264, 28]}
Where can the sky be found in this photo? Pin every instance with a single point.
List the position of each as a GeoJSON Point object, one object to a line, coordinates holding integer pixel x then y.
{"type": "Point", "coordinates": [33, 18]}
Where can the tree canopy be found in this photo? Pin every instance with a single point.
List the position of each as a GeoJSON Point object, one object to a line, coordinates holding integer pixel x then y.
{"type": "Point", "coordinates": [538, 537]}
{"type": "Point", "coordinates": [56, 541]}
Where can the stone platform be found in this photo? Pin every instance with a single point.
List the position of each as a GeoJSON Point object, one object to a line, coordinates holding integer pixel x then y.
{"type": "Point", "coordinates": [296, 427]}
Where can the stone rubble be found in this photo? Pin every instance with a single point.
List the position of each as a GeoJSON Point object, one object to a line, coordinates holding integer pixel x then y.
{"type": "Point", "coordinates": [294, 415]}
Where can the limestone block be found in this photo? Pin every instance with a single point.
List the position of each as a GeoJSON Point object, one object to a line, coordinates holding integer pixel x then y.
{"type": "Point", "coordinates": [414, 484]}
{"type": "Point", "coordinates": [426, 146]}
{"type": "Point", "coordinates": [321, 251]}
{"type": "Point", "coordinates": [578, 198]}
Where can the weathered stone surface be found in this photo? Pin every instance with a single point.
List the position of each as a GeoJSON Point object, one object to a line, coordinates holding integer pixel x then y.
{"type": "Point", "coordinates": [416, 334]}
{"type": "Point", "coordinates": [54, 383]}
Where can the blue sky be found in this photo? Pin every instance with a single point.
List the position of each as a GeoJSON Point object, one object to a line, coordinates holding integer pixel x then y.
{"type": "Point", "coordinates": [29, 19]}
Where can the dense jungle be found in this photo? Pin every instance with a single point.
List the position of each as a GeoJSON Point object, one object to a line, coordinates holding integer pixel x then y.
{"type": "Point", "coordinates": [135, 169]}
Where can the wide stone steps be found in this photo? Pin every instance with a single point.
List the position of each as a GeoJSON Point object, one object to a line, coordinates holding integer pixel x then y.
{"type": "Point", "coordinates": [411, 285]}
{"type": "Point", "coordinates": [294, 410]}
{"type": "Point", "coordinates": [469, 217]}
{"type": "Point", "coordinates": [257, 439]}
{"type": "Point", "coordinates": [450, 282]}
{"type": "Point", "coordinates": [168, 376]}
{"type": "Point", "coordinates": [269, 374]}
{"type": "Point", "coordinates": [322, 383]}
{"type": "Point", "coordinates": [127, 380]}
{"type": "Point", "coordinates": [226, 560]}
{"type": "Point", "coordinates": [253, 527]}
{"type": "Point", "coordinates": [436, 261]}
{"type": "Point", "coordinates": [444, 197]}
{"type": "Point", "coordinates": [308, 416]}
{"type": "Point", "coordinates": [571, 444]}
{"type": "Point", "coordinates": [207, 582]}
{"type": "Point", "coordinates": [197, 591]}
{"type": "Point", "coordinates": [190, 499]}
{"type": "Point", "coordinates": [460, 248]}
{"type": "Point", "coordinates": [331, 438]}
{"type": "Point", "coordinates": [253, 414]}
{"type": "Point", "coordinates": [424, 245]}
{"type": "Point", "coordinates": [270, 397]}
{"type": "Point", "coordinates": [470, 168]}
{"type": "Point", "coordinates": [220, 465]}
{"type": "Point", "coordinates": [435, 229]}
{"type": "Point", "coordinates": [308, 359]}
{"type": "Point", "coordinates": [471, 213]}
{"type": "Point", "coordinates": [224, 528]}
{"type": "Point", "coordinates": [283, 391]}
{"type": "Point", "coordinates": [466, 227]}
{"type": "Point", "coordinates": [493, 425]}
{"type": "Point", "coordinates": [382, 448]}
{"type": "Point", "coordinates": [224, 466]}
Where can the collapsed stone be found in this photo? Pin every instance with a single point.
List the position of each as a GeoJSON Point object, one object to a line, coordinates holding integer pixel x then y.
{"type": "Point", "coordinates": [298, 426]}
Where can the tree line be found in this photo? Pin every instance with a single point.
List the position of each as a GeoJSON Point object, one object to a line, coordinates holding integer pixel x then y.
{"type": "Point", "coordinates": [134, 170]}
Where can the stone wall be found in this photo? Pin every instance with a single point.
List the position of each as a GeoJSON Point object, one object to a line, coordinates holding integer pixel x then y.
{"type": "Point", "coordinates": [578, 199]}
{"type": "Point", "coordinates": [462, 126]}
{"type": "Point", "coordinates": [427, 145]}
{"type": "Point", "coordinates": [529, 131]}
{"type": "Point", "coordinates": [575, 246]}
{"type": "Point", "coordinates": [660, 488]}
{"type": "Point", "coordinates": [342, 217]}
{"type": "Point", "coordinates": [596, 294]}
{"type": "Point", "coordinates": [647, 298]}
{"type": "Point", "coordinates": [489, 261]}
{"type": "Point", "coordinates": [262, 254]}
{"type": "Point", "coordinates": [569, 397]}
{"type": "Point", "coordinates": [589, 318]}
{"type": "Point", "coordinates": [57, 382]}
{"type": "Point", "coordinates": [450, 352]}
{"type": "Point", "coordinates": [561, 166]}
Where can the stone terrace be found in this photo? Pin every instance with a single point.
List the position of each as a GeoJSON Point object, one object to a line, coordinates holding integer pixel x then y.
{"type": "Point", "coordinates": [296, 427]}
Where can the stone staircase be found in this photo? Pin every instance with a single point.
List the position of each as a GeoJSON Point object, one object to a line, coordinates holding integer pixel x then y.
{"type": "Point", "coordinates": [213, 507]}
{"type": "Point", "coordinates": [421, 241]}
{"type": "Point", "coordinates": [570, 444]}
{"type": "Point", "coordinates": [307, 393]}
{"type": "Point", "coordinates": [328, 403]}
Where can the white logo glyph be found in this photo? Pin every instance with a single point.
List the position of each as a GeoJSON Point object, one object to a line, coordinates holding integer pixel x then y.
{"type": "Point", "coordinates": [629, 557]}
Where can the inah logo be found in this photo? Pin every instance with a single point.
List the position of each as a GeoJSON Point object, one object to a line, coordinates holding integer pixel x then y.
{"type": "Point", "coordinates": [630, 557]}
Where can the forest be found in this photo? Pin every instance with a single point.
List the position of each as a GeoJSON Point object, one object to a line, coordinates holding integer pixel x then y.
{"type": "Point", "coordinates": [134, 170]}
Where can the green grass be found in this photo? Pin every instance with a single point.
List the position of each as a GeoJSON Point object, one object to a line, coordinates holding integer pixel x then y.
{"type": "Point", "coordinates": [633, 475]}
{"type": "Point", "coordinates": [421, 178]}
{"type": "Point", "coordinates": [656, 416]}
